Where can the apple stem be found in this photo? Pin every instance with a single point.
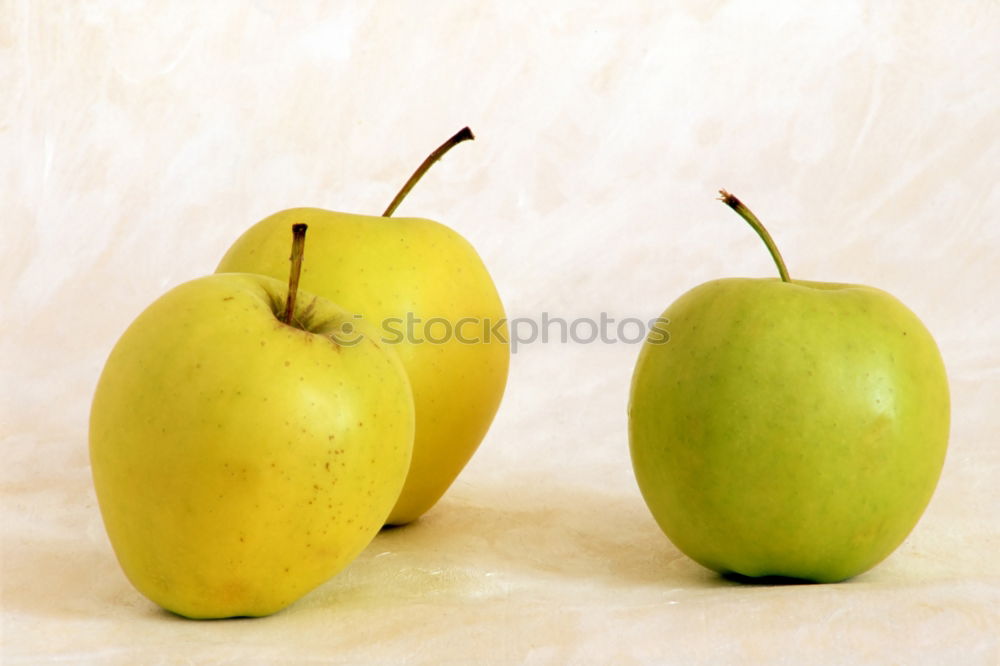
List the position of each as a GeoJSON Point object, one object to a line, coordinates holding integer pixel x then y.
{"type": "Point", "coordinates": [748, 215]}
{"type": "Point", "coordinates": [463, 134]}
{"type": "Point", "coordinates": [298, 249]}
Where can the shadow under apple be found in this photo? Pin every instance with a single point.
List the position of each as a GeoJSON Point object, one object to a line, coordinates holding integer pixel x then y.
{"type": "Point", "coordinates": [489, 541]}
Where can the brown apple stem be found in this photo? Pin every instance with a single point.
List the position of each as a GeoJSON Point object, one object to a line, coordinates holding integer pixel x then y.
{"type": "Point", "coordinates": [464, 134]}
{"type": "Point", "coordinates": [752, 220]}
{"type": "Point", "coordinates": [298, 249]}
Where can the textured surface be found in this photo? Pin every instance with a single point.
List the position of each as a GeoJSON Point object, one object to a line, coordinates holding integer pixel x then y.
{"type": "Point", "coordinates": [139, 140]}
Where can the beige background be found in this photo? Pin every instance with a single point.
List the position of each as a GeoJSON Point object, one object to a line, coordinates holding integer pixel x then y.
{"type": "Point", "coordinates": [139, 139]}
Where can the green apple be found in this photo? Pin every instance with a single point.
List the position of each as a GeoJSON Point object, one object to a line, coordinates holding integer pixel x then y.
{"type": "Point", "coordinates": [428, 291]}
{"type": "Point", "coordinates": [240, 461]}
{"type": "Point", "coordinates": [788, 427]}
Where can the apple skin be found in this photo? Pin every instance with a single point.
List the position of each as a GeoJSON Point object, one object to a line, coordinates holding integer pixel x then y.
{"type": "Point", "coordinates": [789, 428]}
{"type": "Point", "coordinates": [385, 268]}
{"type": "Point", "coordinates": [239, 462]}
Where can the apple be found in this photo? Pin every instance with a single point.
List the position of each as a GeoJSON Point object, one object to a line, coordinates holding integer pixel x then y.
{"type": "Point", "coordinates": [788, 427]}
{"type": "Point", "coordinates": [242, 456]}
{"type": "Point", "coordinates": [428, 291]}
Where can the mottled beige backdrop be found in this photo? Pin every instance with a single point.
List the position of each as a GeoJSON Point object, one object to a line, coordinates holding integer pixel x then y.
{"type": "Point", "coordinates": [137, 140]}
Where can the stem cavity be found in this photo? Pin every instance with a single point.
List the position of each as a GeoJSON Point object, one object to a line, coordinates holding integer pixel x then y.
{"type": "Point", "coordinates": [464, 134]}
{"type": "Point", "coordinates": [752, 220]}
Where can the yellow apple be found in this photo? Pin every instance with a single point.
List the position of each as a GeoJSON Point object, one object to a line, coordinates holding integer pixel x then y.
{"type": "Point", "coordinates": [429, 292]}
{"type": "Point", "coordinates": [788, 427]}
{"type": "Point", "coordinates": [240, 461]}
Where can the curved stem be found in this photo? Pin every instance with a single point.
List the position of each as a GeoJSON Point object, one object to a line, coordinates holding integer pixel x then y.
{"type": "Point", "coordinates": [463, 134]}
{"type": "Point", "coordinates": [298, 249]}
{"type": "Point", "coordinates": [747, 215]}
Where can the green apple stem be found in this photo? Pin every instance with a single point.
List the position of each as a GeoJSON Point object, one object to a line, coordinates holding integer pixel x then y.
{"type": "Point", "coordinates": [747, 215]}
{"type": "Point", "coordinates": [298, 249]}
{"type": "Point", "coordinates": [463, 134]}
